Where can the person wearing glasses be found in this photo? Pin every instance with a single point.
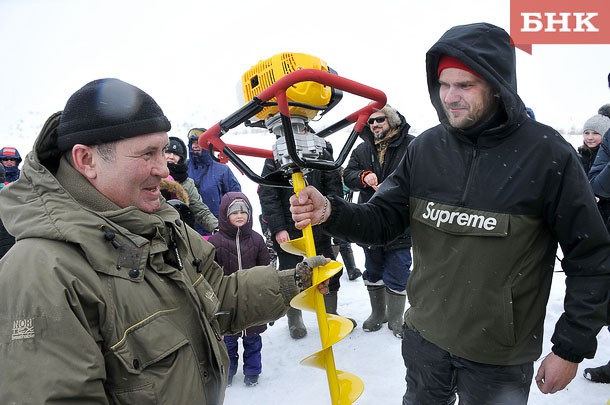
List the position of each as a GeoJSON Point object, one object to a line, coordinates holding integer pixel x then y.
{"type": "Point", "coordinates": [10, 158]}
{"type": "Point", "coordinates": [489, 195]}
{"type": "Point", "coordinates": [387, 267]}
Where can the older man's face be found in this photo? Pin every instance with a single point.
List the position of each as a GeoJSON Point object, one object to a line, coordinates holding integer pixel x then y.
{"type": "Point", "coordinates": [132, 178]}
{"type": "Point", "coordinates": [467, 99]}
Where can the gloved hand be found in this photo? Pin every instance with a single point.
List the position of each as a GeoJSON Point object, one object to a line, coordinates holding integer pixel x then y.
{"type": "Point", "coordinates": [303, 273]}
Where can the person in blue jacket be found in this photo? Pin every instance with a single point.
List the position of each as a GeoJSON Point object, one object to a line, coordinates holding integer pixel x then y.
{"type": "Point", "coordinates": [10, 159]}
{"type": "Point", "coordinates": [213, 179]}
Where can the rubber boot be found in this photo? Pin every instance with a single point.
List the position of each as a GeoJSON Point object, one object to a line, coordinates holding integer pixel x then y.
{"type": "Point", "coordinates": [350, 265]}
{"type": "Point", "coordinates": [395, 311]}
{"type": "Point", "coordinates": [295, 324]}
{"type": "Point", "coordinates": [330, 302]}
{"type": "Point", "coordinates": [378, 317]}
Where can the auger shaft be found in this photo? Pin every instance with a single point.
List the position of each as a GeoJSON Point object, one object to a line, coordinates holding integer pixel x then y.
{"type": "Point", "coordinates": [298, 183]}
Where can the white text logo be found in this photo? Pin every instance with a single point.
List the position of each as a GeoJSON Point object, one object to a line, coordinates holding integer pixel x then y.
{"type": "Point", "coordinates": [23, 329]}
{"type": "Point", "coordinates": [459, 218]}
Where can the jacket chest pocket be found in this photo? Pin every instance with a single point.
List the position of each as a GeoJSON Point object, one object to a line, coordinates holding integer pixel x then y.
{"type": "Point", "coordinates": [209, 301]}
{"type": "Point", "coordinates": [142, 362]}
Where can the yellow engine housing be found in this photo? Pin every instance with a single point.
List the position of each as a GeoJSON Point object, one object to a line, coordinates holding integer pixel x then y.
{"type": "Point", "coordinates": [266, 72]}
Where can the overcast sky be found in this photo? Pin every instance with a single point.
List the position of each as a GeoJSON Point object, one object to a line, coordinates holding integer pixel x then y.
{"type": "Point", "coordinates": [190, 55]}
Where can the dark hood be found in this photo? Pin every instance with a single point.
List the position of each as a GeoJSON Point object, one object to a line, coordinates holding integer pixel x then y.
{"type": "Point", "coordinates": [487, 50]}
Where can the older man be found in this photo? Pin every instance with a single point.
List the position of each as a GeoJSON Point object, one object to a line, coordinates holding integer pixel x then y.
{"type": "Point", "coordinates": [488, 194]}
{"type": "Point", "coordinates": [107, 297]}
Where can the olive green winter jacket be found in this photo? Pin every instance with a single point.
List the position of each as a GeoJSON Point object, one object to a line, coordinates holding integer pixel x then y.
{"type": "Point", "coordinates": [97, 307]}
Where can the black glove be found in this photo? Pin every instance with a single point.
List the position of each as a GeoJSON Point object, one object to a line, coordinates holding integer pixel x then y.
{"type": "Point", "coordinates": [303, 271]}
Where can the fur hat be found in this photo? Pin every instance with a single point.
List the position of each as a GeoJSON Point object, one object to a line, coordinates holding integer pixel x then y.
{"type": "Point", "coordinates": [171, 189]}
{"type": "Point", "coordinates": [598, 123]}
{"type": "Point", "coordinates": [391, 114]}
{"type": "Point", "coordinates": [108, 110]}
{"type": "Point", "coordinates": [238, 205]}
{"type": "Point", "coordinates": [177, 147]}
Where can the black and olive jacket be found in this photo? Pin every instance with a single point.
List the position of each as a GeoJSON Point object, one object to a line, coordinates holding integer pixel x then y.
{"type": "Point", "coordinates": [486, 218]}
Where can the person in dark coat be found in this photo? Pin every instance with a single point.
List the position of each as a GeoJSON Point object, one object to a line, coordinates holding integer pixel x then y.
{"type": "Point", "coordinates": [593, 131]}
{"type": "Point", "coordinates": [343, 248]}
{"type": "Point", "coordinates": [275, 204]}
{"type": "Point", "coordinates": [601, 374]}
{"type": "Point", "coordinates": [387, 266]}
{"type": "Point", "coordinates": [239, 247]}
{"type": "Point", "coordinates": [489, 195]}
{"type": "Point", "coordinates": [175, 154]}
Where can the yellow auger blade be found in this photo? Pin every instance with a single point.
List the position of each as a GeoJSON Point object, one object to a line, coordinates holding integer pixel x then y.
{"type": "Point", "coordinates": [345, 388]}
{"type": "Point", "coordinates": [350, 385]}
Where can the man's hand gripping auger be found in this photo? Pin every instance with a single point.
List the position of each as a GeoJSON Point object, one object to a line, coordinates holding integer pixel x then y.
{"type": "Point", "coordinates": [292, 93]}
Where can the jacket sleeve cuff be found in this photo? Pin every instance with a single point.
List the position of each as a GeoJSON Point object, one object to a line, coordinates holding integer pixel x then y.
{"type": "Point", "coordinates": [363, 175]}
{"type": "Point", "coordinates": [288, 285]}
{"type": "Point", "coordinates": [567, 355]}
{"type": "Point", "coordinates": [335, 203]}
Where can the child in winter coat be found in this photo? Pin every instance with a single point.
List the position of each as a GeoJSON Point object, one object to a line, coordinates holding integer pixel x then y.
{"type": "Point", "coordinates": [239, 247]}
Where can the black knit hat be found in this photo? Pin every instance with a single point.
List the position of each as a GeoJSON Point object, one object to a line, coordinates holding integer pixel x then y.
{"type": "Point", "coordinates": [108, 110]}
{"type": "Point", "coordinates": [177, 147]}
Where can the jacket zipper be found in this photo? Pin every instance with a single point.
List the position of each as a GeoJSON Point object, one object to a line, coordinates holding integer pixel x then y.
{"type": "Point", "coordinates": [475, 155]}
{"type": "Point", "coordinates": [174, 245]}
{"type": "Point", "coordinates": [238, 249]}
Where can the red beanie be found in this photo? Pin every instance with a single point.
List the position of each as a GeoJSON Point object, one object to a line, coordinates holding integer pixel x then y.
{"type": "Point", "coordinates": [447, 61]}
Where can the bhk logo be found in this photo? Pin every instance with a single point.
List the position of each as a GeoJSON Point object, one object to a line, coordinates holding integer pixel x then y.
{"type": "Point", "coordinates": [559, 22]}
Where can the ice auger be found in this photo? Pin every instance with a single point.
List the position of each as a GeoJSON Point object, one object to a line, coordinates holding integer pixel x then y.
{"type": "Point", "coordinates": [285, 92]}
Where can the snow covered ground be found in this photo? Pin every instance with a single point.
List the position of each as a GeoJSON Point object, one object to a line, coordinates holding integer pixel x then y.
{"type": "Point", "coordinates": [376, 358]}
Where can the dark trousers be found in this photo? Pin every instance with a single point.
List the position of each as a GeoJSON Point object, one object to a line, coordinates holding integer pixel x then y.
{"type": "Point", "coordinates": [434, 376]}
{"type": "Point", "coordinates": [392, 266]}
{"type": "Point", "coordinates": [252, 353]}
